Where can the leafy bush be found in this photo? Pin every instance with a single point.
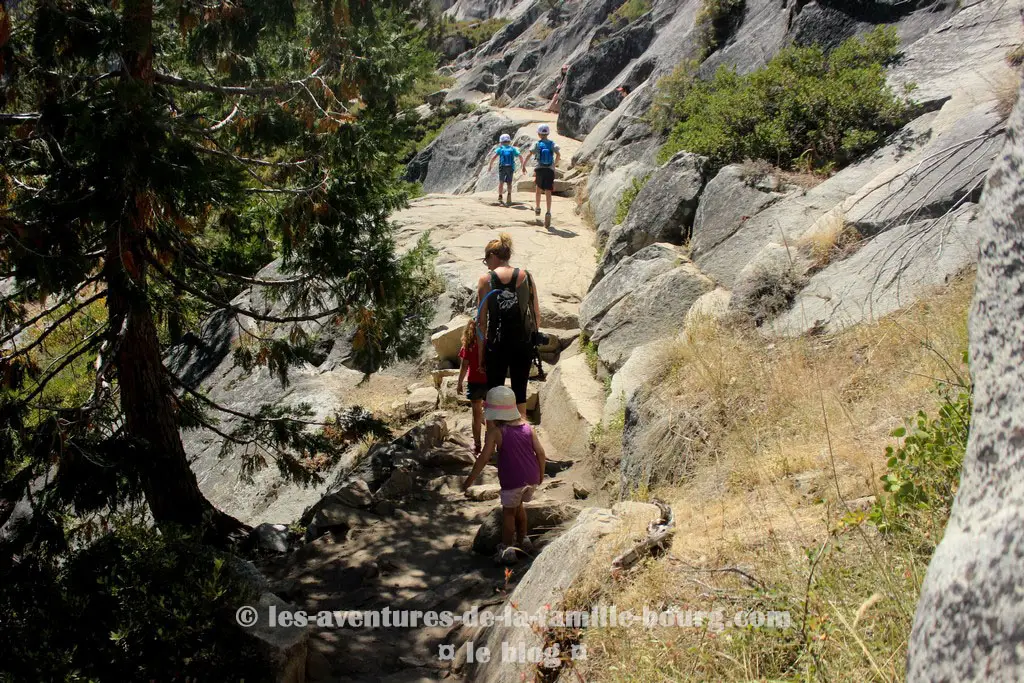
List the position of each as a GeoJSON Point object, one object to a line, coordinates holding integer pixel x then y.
{"type": "Point", "coordinates": [627, 198]}
{"type": "Point", "coordinates": [630, 11]}
{"type": "Point", "coordinates": [804, 109]}
{"type": "Point", "coordinates": [924, 470]}
{"type": "Point", "coordinates": [476, 32]}
{"type": "Point", "coordinates": [135, 606]}
{"type": "Point", "coordinates": [589, 350]}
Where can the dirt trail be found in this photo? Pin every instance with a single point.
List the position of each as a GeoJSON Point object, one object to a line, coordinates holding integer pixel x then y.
{"type": "Point", "coordinates": [419, 554]}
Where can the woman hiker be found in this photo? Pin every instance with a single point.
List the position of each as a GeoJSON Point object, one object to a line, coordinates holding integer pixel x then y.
{"type": "Point", "coordinates": [509, 316]}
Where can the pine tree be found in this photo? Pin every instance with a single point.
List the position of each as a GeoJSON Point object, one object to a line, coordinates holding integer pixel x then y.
{"type": "Point", "coordinates": [145, 147]}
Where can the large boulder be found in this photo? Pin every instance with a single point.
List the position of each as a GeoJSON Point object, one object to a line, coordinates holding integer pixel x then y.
{"type": "Point", "coordinates": [571, 403]}
{"type": "Point", "coordinates": [729, 199]}
{"type": "Point", "coordinates": [420, 401]}
{"type": "Point", "coordinates": [455, 157]}
{"type": "Point", "coordinates": [791, 217]}
{"type": "Point", "coordinates": [653, 311]}
{"type": "Point", "coordinates": [888, 273]}
{"type": "Point", "coordinates": [287, 646]}
{"type": "Point", "coordinates": [950, 172]}
{"type": "Point", "coordinates": [663, 211]}
{"type": "Point", "coordinates": [552, 573]}
{"type": "Point", "coordinates": [967, 624]}
{"type": "Point", "coordinates": [646, 364]}
{"type": "Point", "coordinates": [447, 341]}
{"type": "Point", "coordinates": [627, 276]}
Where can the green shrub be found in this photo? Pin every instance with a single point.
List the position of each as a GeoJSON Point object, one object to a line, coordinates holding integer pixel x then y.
{"type": "Point", "coordinates": [589, 350]}
{"type": "Point", "coordinates": [628, 195]}
{"type": "Point", "coordinates": [804, 109]}
{"type": "Point", "coordinates": [476, 32]}
{"type": "Point", "coordinates": [134, 606]}
{"type": "Point", "coordinates": [670, 94]}
{"type": "Point", "coordinates": [630, 11]}
{"type": "Point", "coordinates": [924, 469]}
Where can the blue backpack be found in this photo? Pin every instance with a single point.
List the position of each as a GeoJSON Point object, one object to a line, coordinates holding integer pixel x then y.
{"type": "Point", "coordinates": [545, 153]}
{"type": "Point", "coordinates": [506, 155]}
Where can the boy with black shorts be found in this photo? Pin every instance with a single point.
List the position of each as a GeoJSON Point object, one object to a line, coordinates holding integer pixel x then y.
{"type": "Point", "coordinates": [548, 157]}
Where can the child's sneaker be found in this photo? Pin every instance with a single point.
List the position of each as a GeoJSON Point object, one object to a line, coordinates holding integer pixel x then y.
{"type": "Point", "coordinates": [536, 211]}
{"type": "Point", "coordinates": [508, 202]}
{"type": "Point", "coordinates": [526, 545]}
{"type": "Point", "coordinates": [505, 555]}
{"type": "Point", "coordinates": [547, 220]}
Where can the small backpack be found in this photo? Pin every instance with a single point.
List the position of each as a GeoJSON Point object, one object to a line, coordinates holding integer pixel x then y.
{"type": "Point", "coordinates": [509, 320]}
{"type": "Point", "coordinates": [545, 153]}
{"type": "Point", "coordinates": [506, 155]}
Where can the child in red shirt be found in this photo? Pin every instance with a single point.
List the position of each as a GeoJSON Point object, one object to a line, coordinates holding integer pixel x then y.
{"type": "Point", "coordinates": [470, 355]}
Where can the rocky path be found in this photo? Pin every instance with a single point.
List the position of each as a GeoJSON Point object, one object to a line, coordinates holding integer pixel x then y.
{"type": "Point", "coordinates": [414, 548]}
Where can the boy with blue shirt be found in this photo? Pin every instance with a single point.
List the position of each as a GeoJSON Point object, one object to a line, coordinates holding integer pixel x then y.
{"type": "Point", "coordinates": [506, 154]}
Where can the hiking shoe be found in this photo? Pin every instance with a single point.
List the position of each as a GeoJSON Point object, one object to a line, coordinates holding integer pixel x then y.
{"type": "Point", "coordinates": [547, 220]}
{"type": "Point", "coordinates": [505, 555]}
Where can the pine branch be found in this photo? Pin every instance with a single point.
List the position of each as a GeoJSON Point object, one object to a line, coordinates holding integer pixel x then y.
{"type": "Point", "coordinates": [54, 325]}
{"type": "Point", "coordinates": [68, 360]}
{"type": "Point", "coordinates": [228, 306]}
{"type": "Point", "coordinates": [248, 160]}
{"type": "Point", "coordinates": [246, 416]}
{"type": "Point", "coordinates": [15, 119]}
{"type": "Point", "coordinates": [255, 91]}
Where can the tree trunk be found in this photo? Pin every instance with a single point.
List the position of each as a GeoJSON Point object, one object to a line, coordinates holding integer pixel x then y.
{"type": "Point", "coordinates": [168, 482]}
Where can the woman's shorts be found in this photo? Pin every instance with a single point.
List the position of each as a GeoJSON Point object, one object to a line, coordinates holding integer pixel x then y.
{"type": "Point", "coordinates": [476, 391]}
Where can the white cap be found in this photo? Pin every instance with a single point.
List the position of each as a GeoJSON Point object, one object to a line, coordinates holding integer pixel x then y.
{"type": "Point", "coordinates": [505, 137]}
{"type": "Point", "coordinates": [543, 129]}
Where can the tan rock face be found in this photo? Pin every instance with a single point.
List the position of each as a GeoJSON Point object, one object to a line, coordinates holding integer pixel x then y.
{"type": "Point", "coordinates": [561, 258]}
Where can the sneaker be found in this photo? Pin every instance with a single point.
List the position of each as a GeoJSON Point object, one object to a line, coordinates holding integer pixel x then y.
{"type": "Point", "coordinates": [500, 198]}
{"type": "Point", "coordinates": [547, 220]}
{"type": "Point", "coordinates": [505, 555]}
{"type": "Point", "coordinates": [508, 202]}
{"type": "Point", "coordinates": [536, 211]}
{"type": "Point", "coordinates": [526, 545]}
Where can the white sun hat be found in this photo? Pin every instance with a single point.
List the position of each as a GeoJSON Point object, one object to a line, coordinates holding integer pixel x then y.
{"type": "Point", "coordinates": [505, 137]}
{"type": "Point", "coordinates": [543, 129]}
{"type": "Point", "coordinates": [501, 404]}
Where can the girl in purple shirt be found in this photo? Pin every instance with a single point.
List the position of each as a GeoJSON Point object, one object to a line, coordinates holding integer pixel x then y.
{"type": "Point", "coordinates": [520, 468]}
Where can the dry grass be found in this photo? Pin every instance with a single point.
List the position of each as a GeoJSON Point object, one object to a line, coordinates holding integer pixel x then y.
{"type": "Point", "coordinates": [833, 239]}
{"type": "Point", "coordinates": [770, 443]}
{"type": "Point", "coordinates": [756, 170]}
{"type": "Point", "coordinates": [1005, 89]}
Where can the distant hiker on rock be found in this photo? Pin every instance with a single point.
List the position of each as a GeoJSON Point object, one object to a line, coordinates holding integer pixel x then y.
{"type": "Point", "coordinates": [556, 105]}
{"type": "Point", "coordinates": [521, 460]}
{"type": "Point", "coordinates": [508, 311]}
{"type": "Point", "coordinates": [470, 355]}
{"type": "Point", "coordinates": [548, 157]}
{"type": "Point", "coordinates": [506, 154]}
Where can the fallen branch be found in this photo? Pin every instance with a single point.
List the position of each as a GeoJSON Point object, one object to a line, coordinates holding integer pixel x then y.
{"type": "Point", "coordinates": [659, 532]}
